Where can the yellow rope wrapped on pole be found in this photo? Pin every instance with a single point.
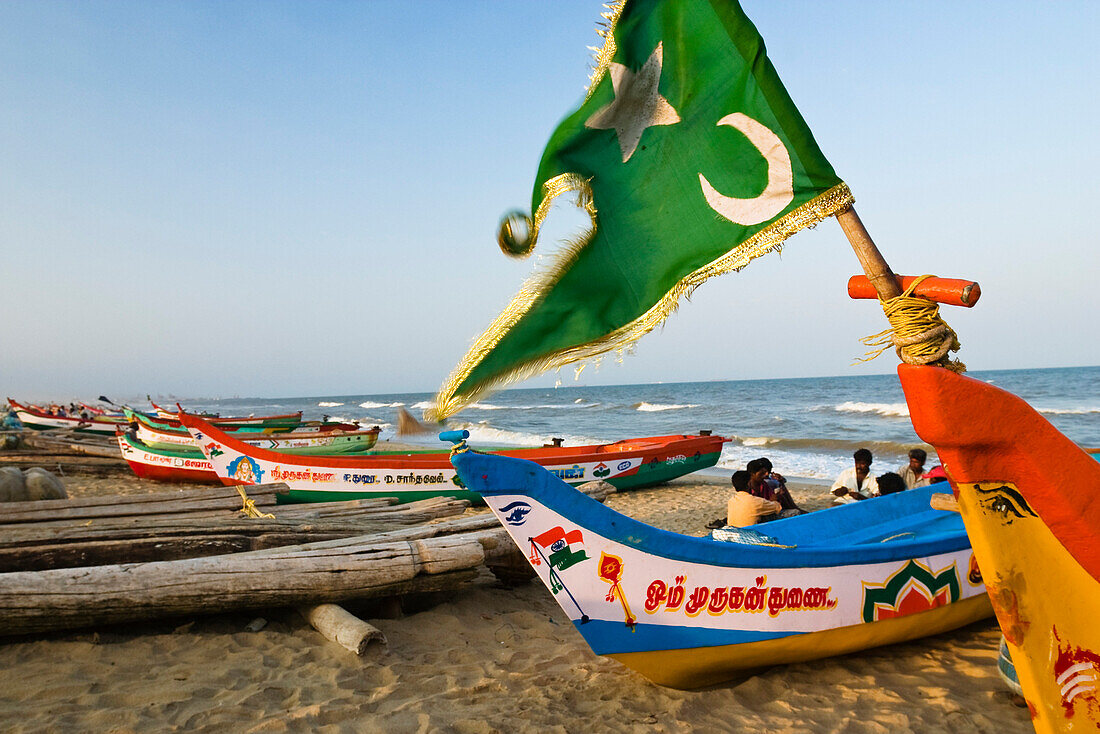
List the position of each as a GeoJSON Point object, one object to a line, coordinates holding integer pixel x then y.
{"type": "Point", "coordinates": [249, 508]}
{"type": "Point", "coordinates": [917, 332]}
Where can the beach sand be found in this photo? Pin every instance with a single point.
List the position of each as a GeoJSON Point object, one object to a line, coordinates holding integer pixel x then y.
{"type": "Point", "coordinates": [484, 659]}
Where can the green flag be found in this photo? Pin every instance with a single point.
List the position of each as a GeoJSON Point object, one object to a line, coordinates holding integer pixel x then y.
{"type": "Point", "coordinates": [691, 160]}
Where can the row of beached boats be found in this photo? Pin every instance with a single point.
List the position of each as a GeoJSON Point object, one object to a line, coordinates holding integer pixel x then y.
{"type": "Point", "coordinates": [325, 462]}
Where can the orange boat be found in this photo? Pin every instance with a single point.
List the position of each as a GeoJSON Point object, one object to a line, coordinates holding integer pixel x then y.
{"type": "Point", "coordinates": [409, 476]}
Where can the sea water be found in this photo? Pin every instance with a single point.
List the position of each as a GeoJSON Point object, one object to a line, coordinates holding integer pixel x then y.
{"type": "Point", "coordinates": [808, 427]}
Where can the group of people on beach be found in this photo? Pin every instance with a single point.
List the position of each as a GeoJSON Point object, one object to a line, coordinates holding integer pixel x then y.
{"type": "Point", "coordinates": [856, 483]}
{"type": "Point", "coordinates": [761, 494]}
{"type": "Point", "coordinates": [72, 411]}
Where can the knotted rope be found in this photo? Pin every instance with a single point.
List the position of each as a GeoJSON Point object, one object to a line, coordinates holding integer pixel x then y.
{"type": "Point", "coordinates": [249, 508]}
{"type": "Point", "coordinates": [917, 332]}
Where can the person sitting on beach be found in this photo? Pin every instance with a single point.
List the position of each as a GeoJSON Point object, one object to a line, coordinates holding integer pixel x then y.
{"type": "Point", "coordinates": [856, 483]}
{"type": "Point", "coordinates": [769, 485]}
{"type": "Point", "coordinates": [913, 472]}
{"type": "Point", "coordinates": [745, 508]}
{"type": "Point", "coordinates": [890, 482]}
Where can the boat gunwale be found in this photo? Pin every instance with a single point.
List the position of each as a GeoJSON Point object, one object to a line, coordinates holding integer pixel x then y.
{"type": "Point", "coordinates": [593, 516]}
{"type": "Point", "coordinates": [563, 454]}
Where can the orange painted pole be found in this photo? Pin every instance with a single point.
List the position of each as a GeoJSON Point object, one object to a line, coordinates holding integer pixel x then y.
{"type": "Point", "coordinates": [948, 291]}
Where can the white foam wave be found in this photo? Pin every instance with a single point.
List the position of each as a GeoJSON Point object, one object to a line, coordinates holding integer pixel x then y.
{"type": "Point", "coordinates": [490, 406]}
{"type": "Point", "coordinates": [325, 404]}
{"type": "Point", "coordinates": [757, 441]}
{"type": "Point", "coordinates": [1069, 411]}
{"type": "Point", "coordinates": [486, 435]}
{"type": "Point", "coordinates": [656, 407]}
{"type": "Point", "coordinates": [893, 410]}
{"type": "Point", "coordinates": [825, 466]}
{"type": "Point", "coordinates": [368, 405]}
{"type": "Point", "coordinates": [422, 405]}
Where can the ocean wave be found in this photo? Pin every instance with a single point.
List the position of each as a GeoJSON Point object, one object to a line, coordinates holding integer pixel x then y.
{"type": "Point", "coordinates": [484, 434]}
{"type": "Point", "coordinates": [1068, 411]}
{"type": "Point", "coordinates": [368, 405]}
{"type": "Point", "coordinates": [757, 441]}
{"type": "Point", "coordinates": [824, 465]}
{"type": "Point", "coordinates": [422, 405]}
{"type": "Point", "coordinates": [559, 406]}
{"type": "Point", "coordinates": [893, 410]}
{"type": "Point", "coordinates": [324, 404]}
{"type": "Point", "coordinates": [656, 407]}
{"type": "Point", "coordinates": [841, 447]}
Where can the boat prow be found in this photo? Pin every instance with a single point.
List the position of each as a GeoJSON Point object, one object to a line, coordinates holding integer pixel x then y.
{"type": "Point", "coordinates": [1030, 499]}
{"type": "Point", "coordinates": [687, 611]}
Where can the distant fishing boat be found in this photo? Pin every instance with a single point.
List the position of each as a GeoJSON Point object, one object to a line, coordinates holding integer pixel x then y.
{"type": "Point", "coordinates": [633, 463]}
{"type": "Point", "coordinates": [162, 412]}
{"type": "Point", "coordinates": [329, 438]}
{"type": "Point", "coordinates": [687, 612]}
{"type": "Point", "coordinates": [258, 424]}
{"type": "Point", "coordinates": [40, 419]}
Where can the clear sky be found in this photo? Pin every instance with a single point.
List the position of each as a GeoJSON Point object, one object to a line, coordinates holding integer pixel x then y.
{"type": "Point", "coordinates": [280, 199]}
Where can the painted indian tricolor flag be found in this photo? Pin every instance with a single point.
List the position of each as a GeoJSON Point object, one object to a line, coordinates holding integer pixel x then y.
{"type": "Point", "coordinates": [565, 548]}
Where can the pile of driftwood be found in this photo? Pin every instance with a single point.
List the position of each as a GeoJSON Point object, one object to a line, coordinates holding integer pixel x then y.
{"type": "Point", "coordinates": [73, 563]}
{"type": "Point", "coordinates": [67, 441]}
{"type": "Point", "coordinates": [63, 451]}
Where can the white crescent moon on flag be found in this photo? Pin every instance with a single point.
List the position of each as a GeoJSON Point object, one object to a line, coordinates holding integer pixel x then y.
{"type": "Point", "coordinates": [780, 189]}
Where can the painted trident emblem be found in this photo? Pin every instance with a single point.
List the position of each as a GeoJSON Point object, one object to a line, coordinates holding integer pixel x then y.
{"type": "Point", "coordinates": [611, 571]}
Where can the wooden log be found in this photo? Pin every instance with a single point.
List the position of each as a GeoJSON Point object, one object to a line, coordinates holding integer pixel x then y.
{"type": "Point", "coordinates": [171, 494]}
{"type": "Point", "coordinates": [43, 557]}
{"type": "Point", "coordinates": [155, 503]}
{"type": "Point", "coordinates": [598, 489]}
{"type": "Point", "coordinates": [28, 534]}
{"type": "Point", "coordinates": [106, 449]}
{"type": "Point", "coordinates": [64, 466]}
{"type": "Point", "coordinates": [340, 626]}
{"type": "Point", "coordinates": [108, 540]}
{"type": "Point", "coordinates": [944, 502]}
{"type": "Point", "coordinates": [70, 598]}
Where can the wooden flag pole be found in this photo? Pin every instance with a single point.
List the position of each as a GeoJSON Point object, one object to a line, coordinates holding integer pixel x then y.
{"type": "Point", "coordinates": [874, 264]}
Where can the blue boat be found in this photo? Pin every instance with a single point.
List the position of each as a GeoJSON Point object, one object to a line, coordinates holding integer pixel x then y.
{"type": "Point", "coordinates": [687, 611]}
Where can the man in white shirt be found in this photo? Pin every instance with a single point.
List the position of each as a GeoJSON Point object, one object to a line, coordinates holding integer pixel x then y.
{"type": "Point", "coordinates": [856, 483]}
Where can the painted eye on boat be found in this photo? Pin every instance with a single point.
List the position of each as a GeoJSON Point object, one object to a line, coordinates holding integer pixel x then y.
{"type": "Point", "coordinates": [1005, 501]}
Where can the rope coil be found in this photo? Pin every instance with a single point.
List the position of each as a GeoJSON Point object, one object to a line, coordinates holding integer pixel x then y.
{"type": "Point", "coordinates": [917, 332]}
{"type": "Point", "coordinates": [249, 508]}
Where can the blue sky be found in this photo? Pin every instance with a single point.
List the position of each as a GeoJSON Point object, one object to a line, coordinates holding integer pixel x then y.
{"type": "Point", "coordinates": [301, 198]}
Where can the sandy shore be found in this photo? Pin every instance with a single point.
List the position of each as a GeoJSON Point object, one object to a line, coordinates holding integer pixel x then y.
{"type": "Point", "coordinates": [487, 659]}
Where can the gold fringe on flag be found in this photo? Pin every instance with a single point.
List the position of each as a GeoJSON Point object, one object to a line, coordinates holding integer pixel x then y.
{"type": "Point", "coordinates": [770, 238]}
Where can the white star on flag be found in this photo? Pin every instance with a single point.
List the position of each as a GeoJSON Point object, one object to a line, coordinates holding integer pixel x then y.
{"type": "Point", "coordinates": [637, 104]}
